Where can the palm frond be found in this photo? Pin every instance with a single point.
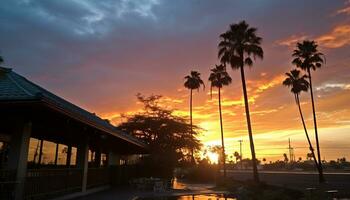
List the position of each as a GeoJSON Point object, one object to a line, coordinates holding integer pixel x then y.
{"type": "Point", "coordinates": [296, 82]}
{"type": "Point", "coordinates": [193, 81]}
{"type": "Point", "coordinates": [239, 45]}
{"type": "Point", "coordinates": [306, 55]}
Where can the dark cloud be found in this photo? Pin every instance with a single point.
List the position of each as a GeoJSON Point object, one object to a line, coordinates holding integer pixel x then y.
{"type": "Point", "coordinates": [126, 46]}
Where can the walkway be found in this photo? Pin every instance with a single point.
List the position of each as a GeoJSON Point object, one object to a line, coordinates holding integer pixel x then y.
{"type": "Point", "coordinates": [180, 188]}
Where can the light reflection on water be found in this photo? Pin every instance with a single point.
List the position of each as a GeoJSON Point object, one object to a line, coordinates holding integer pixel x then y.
{"type": "Point", "coordinates": [192, 197]}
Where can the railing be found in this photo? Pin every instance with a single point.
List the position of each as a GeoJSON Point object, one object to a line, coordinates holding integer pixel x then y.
{"type": "Point", "coordinates": [46, 183]}
{"type": "Point", "coordinates": [49, 183]}
{"type": "Point", "coordinates": [98, 176]}
{"type": "Point", "coordinates": [7, 183]}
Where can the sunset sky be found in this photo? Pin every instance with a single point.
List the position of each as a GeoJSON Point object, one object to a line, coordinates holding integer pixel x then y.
{"type": "Point", "coordinates": [99, 54]}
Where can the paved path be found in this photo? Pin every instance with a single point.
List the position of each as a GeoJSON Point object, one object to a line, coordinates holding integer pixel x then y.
{"type": "Point", "coordinates": [126, 193]}
{"type": "Point", "coordinates": [296, 180]}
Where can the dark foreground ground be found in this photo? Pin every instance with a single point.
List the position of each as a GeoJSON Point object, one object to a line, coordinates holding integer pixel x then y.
{"type": "Point", "coordinates": [180, 188]}
{"type": "Point", "coordinates": [294, 180]}
{"type": "Point", "coordinates": [299, 180]}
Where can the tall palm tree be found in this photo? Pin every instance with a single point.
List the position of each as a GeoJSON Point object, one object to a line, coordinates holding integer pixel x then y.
{"type": "Point", "coordinates": [299, 84]}
{"type": "Point", "coordinates": [193, 82]}
{"type": "Point", "coordinates": [307, 57]}
{"type": "Point", "coordinates": [239, 46]}
{"type": "Point", "coordinates": [219, 78]}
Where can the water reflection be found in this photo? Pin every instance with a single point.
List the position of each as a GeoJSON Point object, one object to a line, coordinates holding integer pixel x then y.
{"type": "Point", "coordinates": [193, 197]}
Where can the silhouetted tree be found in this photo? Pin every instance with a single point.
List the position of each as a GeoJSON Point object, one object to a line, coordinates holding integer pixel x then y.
{"type": "Point", "coordinates": [237, 156]}
{"type": "Point", "coordinates": [1, 60]}
{"type": "Point", "coordinates": [170, 138]}
{"type": "Point", "coordinates": [285, 157]}
{"type": "Point", "coordinates": [307, 57]}
{"type": "Point", "coordinates": [238, 47]}
{"type": "Point", "coordinates": [299, 84]}
{"type": "Point", "coordinates": [309, 156]}
{"type": "Point", "coordinates": [193, 82]}
{"type": "Point", "coordinates": [219, 78]}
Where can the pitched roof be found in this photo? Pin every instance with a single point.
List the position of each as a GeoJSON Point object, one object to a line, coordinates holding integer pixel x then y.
{"type": "Point", "coordinates": [14, 87]}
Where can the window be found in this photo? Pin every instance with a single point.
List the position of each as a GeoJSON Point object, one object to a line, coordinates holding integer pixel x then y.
{"type": "Point", "coordinates": [62, 154]}
{"type": "Point", "coordinates": [34, 150]}
{"type": "Point", "coordinates": [4, 147]}
{"type": "Point", "coordinates": [48, 154]}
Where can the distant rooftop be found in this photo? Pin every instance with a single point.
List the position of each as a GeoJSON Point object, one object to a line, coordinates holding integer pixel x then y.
{"type": "Point", "coordinates": [14, 87]}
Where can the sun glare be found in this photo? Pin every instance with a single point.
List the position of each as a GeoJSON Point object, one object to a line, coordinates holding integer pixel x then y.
{"type": "Point", "coordinates": [213, 157]}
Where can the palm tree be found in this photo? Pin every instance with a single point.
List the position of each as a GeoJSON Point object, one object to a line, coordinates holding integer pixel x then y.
{"type": "Point", "coordinates": [1, 60]}
{"type": "Point", "coordinates": [219, 78]}
{"type": "Point", "coordinates": [237, 47]}
{"type": "Point", "coordinates": [299, 84]}
{"type": "Point", "coordinates": [307, 57]}
{"type": "Point", "coordinates": [192, 82]}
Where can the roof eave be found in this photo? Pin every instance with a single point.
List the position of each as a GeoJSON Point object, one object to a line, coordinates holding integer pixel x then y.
{"type": "Point", "coordinates": [56, 107]}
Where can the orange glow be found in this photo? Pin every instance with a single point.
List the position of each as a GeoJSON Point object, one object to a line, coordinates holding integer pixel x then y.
{"type": "Point", "coordinates": [99, 55]}
{"type": "Point", "coordinates": [338, 37]}
{"type": "Point", "coordinates": [272, 123]}
{"type": "Point", "coordinates": [213, 157]}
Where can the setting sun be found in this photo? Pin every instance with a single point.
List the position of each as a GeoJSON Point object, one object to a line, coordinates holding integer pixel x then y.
{"type": "Point", "coordinates": [213, 157]}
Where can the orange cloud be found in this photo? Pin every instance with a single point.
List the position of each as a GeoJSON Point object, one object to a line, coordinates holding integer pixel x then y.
{"type": "Point", "coordinates": [261, 86]}
{"type": "Point", "coordinates": [275, 81]}
{"type": "Point", "coordinates": [291, 40]}
{"type": "Point", "coordinates": [338, 37]}
{"type": "Point", "coordinates": [263, 112]}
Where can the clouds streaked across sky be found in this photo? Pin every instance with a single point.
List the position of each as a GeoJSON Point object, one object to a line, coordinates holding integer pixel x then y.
{"type": "Point", "coordinates": [99, 54]}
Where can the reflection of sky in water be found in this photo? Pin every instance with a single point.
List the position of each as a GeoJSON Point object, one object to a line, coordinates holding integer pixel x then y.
{"type": "Point", "coordinates": [193, 197]}
{"type": "Point", "coordinates": [203, 197]}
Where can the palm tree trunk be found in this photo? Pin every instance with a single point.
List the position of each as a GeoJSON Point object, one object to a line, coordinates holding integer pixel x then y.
{"type": "Point", "coordinates": [306, 133]}
{"type": "Point", "coordinates": [222, 136]}
{"type": "Point", "coordinates": [321, 177]}
{"type": "Point", "coordinates": [192, 151]}
{"type": "Point", "coordinates": [251, 140]}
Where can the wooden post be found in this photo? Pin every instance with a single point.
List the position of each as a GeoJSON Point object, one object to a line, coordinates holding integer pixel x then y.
{"type": "Point", "coordinates": [40, 152]}
{"type": "Point", "coordinates": [56, 154]}
{"type": "Point", "coordinates": [18, 156]}
{"type": "Point", "coordinates": [83, 161]}
{"type": "Point", "coordinates": [113, 159]}
{"type": "Point", "coordinates": [69, 155]}
{"type": "Point", "coordinates": [97, 161]}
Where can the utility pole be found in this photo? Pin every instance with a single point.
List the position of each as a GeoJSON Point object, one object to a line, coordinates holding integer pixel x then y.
{"type": "Point", "coordinates": [291, 151]}
{"type": "Point", "coordinates": [240, 152]}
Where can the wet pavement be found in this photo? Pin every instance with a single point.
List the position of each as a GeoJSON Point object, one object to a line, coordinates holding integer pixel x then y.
{"type": "Point", "coordinates": [127, 193]}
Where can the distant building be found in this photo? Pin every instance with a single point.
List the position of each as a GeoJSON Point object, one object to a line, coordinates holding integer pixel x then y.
{"type": "Point", "coordinates": [50, 147]}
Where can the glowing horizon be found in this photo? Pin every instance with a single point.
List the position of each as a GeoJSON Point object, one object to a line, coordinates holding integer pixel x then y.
{"type": "Point", "coordinates": [100, 55]}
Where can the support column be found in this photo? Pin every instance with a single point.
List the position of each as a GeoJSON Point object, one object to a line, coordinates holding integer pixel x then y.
{"type": "Point", "coordinates": [113, 159]}
{"type": "Point", "coordinates": [83, 161]}
{"type": "Point", "coordinates": [113, 162]}
{"type": "Point", "coordinates": [18, 156]}
{"type": "Point", "coordinates": [40, 152]}
{"type": "Point", "coordinates": [69, 155]}
{"type": "Point", "coordinates": [56, 154]}
{"type": "Point", "coordinates": [97, 161]}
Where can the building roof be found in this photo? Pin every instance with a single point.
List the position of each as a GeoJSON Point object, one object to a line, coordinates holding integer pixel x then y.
{"type": "Point", "coordinates": [14, 87]}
